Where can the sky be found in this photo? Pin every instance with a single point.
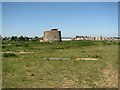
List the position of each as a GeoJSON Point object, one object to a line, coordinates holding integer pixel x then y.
{"type": "Point", "coordinates": [60, 0]}
{"type": "Point", "coordinates": [71, 18]}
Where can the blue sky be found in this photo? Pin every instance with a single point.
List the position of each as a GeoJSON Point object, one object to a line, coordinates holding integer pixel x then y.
{"type": "Point", "coordinates": [83, 18]}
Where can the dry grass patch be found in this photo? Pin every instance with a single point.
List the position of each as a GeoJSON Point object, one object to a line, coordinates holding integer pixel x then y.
{"type": "Point", "coordinates": [66, 83]}
{"type": "Point", "coordinates": [110, 78]}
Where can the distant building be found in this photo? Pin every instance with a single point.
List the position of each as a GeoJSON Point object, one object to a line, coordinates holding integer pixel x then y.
{"type": "Point", "coordinates": [52, 35]}
{"type": "Point", "coordinates": [67, 38]}
{"type": "Point", "coordinates": [79, 38]}
{"type": "Point", "coordinates": [41, 39]}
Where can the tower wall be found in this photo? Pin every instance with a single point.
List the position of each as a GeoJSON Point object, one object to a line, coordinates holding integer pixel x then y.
{"type": "Point", "coordinates": [52, 35]}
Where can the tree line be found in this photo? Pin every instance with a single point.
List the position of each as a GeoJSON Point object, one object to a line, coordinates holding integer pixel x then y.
{"type": "Point", "coordinates": [21, 38]}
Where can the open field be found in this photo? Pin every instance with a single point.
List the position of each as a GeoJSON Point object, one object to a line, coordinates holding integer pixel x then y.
{"type": "Point", "coordinates": [24, 70]}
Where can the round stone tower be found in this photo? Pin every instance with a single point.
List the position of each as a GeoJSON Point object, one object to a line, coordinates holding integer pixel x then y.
{"type": "Point", "coordinates": [52, 35]}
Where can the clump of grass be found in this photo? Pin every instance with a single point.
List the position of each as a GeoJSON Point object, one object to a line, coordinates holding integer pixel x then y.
{"type": "Point", "coordinates": [22, 44]}
{"type": "Point", "coordinates": [18, 45]}
{"type": "Point", "coordinates": [110, 43]}
{"type": "Point", "coordinates": [76, 44]}
{"type": "Point", "coordinates": [57, 48]}
{"type": "Point", "coordinates": [26, 45]}
{"type": "Point", "coordinates": [95, 56]}
{"type": "Point", "coordinates": [83, 51]}
{"type": "Point", "coordinates": [8, 50]}
{"type": "Point", "coordinates": [9, 55]}
{"type": "Point", "coordinates": [63, 47]}
{"type": "Point", "coordinates": [3, 46]}
{"type": "Point", "coordinates": [67, 47]}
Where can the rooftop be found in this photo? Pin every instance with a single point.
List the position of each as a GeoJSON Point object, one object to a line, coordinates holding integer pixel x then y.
{"type": "Point", "coordinates": [54, 28]}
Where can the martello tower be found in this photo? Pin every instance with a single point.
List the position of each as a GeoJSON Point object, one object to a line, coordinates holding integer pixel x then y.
{"type": "Point", "coordinates": [52, 35]}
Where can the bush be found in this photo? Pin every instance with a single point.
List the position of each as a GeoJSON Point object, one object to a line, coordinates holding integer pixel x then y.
{"type": "Point", "coordinates": [9, 55]}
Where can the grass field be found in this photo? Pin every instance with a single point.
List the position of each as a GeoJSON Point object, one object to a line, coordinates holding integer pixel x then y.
{"type": "Point", "coordinates": [27, 70]}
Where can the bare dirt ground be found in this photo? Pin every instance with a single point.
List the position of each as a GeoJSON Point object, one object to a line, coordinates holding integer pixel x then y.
{"type": "Point", "coordinates": [21, 52]}
{"type": "Point", "coordinates": [110, 78]}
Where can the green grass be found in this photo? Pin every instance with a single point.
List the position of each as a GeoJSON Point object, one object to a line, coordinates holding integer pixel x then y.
{"type": "Point", "coordinates": [32, 70]}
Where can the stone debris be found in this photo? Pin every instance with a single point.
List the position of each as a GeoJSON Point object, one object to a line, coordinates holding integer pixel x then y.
{"type": "Point", "coordinates": [21, 52]}
{"type": "Point", "coordinates": [86, 59]}
{"type": "Point", "coordinates": [58, 58]}
{"type": "Point", "coordinates": [77, 59]}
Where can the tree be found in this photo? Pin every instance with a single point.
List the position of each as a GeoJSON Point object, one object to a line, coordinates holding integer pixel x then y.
{"type": "Point", "coordinates": [21, 38]}
{"type": "Point", "coordinates": [14, 38]}
{"type": "Point", "coordinates": [36, 38]}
